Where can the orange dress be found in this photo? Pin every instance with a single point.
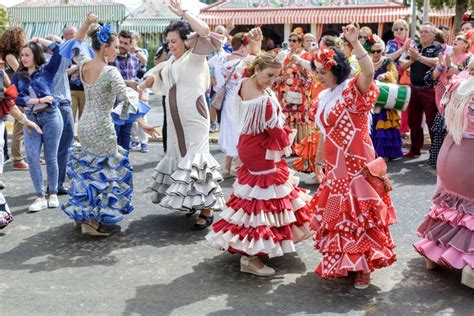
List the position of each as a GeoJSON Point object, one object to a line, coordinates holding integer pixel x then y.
{"type": "Point", "coordinates": [350, 219]}
{"type": "Point", "coordinates": [306, 150]}
{"type": "Point", "coordinates": [297, 81]}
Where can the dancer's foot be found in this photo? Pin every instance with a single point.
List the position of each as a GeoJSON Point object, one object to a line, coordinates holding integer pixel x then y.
{"type": "Point", "coordinates": [254, 265]}
{"type": "Point", "coordinates": [430, 265]}
{"type": "Point", "coordinates": [362, 280]}
{"type": "Point", "coordinates": [468, 276]}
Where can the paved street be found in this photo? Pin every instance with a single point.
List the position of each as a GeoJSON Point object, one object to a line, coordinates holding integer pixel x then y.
{"type": "Point", "coordinates": [154, 264]}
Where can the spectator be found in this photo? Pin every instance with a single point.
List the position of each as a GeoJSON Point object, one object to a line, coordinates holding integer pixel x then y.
{"type": "Point", "coordinates": [69, 33]}
{"type": "Point", "coordinates": [13, 39]}
{"type": "Point", "coordinates": [422, 101]}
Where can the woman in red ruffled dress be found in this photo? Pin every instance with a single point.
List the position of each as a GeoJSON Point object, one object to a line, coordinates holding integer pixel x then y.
{"type": "Point", "coordinates": [267, 213]}
{"type": "Point", "coordinates": [350, 219]}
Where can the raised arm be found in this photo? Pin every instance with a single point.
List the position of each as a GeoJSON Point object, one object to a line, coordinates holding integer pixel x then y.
{"type": "Point", "coordinates": [81, 34]}
{"type": "Point", "coordinates": [198, 25]}
{"type": "Point", "coordinates": [351, 33]}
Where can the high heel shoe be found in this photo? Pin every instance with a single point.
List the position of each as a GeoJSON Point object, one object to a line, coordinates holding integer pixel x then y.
{"type": "Point", "coordinates": [89, 230]}
{"type": "Point", "coordinates": [247, 266]}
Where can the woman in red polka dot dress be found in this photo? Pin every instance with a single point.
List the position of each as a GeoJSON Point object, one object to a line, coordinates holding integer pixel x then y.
{"type": "Point", "coordinates": [350, 219]}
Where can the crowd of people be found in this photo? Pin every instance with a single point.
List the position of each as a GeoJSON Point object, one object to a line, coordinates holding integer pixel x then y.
{"type": "Point", "coordinates": [340, 106]}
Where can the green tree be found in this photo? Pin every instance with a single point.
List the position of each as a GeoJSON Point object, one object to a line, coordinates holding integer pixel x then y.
{"type": "Point", "coordinates": [3, 19]}
{"type": "Point", "coordinates": [461, 7]}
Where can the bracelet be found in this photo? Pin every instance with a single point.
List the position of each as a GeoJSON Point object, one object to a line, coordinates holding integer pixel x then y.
{"type": "Point", "coordinates": [182, 14]}
{"type": "Point", "coordinates": [363, 55]}
{"type": "Point", "coordinates": [441, 68]}
{"type": "Point", "coordinates": [39, 100]}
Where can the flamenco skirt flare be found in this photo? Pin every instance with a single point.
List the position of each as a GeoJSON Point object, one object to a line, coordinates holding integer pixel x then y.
{"type": "Point", "coordinates": [266, 214]}
{"type": "Point", "coordinates": [5, 214]}
{"type": "Point", "coordinates": [386, 135]}
{"type": "Point", "coordinates": [189, 184]}
{"type": "Point", "coordinates": [351, 227]}
{"type": "Point", "coordinates": [306, 152]}
{"type": "Point", "coordinates": [100, 186]}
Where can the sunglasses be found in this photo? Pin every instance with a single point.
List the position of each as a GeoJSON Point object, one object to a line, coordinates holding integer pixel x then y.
{"type": "Point", "coordinates": [293, 40]}
{"type": "Point", "coordinates": [399, 30]}
{"type": "Point", "coordinates": [461, 39]}
{"type": "Point", "coordinates": [376, 51]}
{"type": "Point", "coordinates": [363, 37]}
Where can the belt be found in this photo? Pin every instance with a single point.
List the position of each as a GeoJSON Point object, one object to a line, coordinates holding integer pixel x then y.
{"type": "Point", "coordinates": [421, 87]}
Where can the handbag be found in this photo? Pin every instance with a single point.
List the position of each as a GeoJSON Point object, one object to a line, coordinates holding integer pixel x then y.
{"type": "Point", "coordinates": [7, 100]}
{"type": "Point", "coordinates": [294, 97]}
{"type": "Point", "coordinates": [217, 99]}
{"type": "Point", "coordinates": [375, 172]}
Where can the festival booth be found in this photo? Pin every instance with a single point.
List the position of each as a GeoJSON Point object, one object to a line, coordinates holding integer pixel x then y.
{"type": "Point", "coordinates": [44, 17]}
{"type": "Point", "coordinates": [153, 16]}
{"type": "Point", "coordinates": [320, 17]}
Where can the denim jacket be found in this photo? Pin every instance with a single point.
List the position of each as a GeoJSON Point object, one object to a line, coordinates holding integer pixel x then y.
{"type": "Point", "coordinates": [41, 81]}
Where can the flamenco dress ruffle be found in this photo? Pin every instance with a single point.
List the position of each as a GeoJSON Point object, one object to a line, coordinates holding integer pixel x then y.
{"type": "Point", "coordinates": [143, 109]}
{"type": "Point", "coordinates": [188, 184]}
{"type": "Point", "coordinates": [351, 227]}
{"type": "Point", "coordinates": [385, 133]}
{"type": "Point", "coordinates": [267, 213]}
{"type": "Point", "coordinates": [100, 186]}
{"type": "Point", "coordinates": [6, 216]}
{"type": "Point", "coordinates": [448, 231]}
{"type": "Point", "coordinates": [306, 152]}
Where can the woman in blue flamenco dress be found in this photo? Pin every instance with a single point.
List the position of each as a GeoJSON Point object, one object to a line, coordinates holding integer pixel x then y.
{"type": "Point", "coordinates": [99, 171]}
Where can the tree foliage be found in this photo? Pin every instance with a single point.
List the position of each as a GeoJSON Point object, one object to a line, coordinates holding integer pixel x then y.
{"type": "Point", "coordinates": [3, 19]}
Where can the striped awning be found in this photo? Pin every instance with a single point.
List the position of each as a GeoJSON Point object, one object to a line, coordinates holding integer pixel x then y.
{"type": "Point", "coordinates": [305, 16]}
{"type": "Point", "coordinates": [38, 21]}
{"type": "Point", "coordinates": [443, 16]}
{"type": "Point", "coordinates": [145, 26]}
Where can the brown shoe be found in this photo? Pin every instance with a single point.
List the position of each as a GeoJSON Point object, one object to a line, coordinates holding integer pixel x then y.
{"type": "Point", "coordinates": [20, 166]}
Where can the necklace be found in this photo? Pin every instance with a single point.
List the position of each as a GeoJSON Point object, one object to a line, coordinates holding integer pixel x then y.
{"type": "Point", "coordinates": [236, 54]}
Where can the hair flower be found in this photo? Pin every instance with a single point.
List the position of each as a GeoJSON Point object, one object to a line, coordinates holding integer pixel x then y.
{"type": "Point", "coordinates": [324, 58]}
{"type": "Point", "coordinates": [245, 40]}
{"type": "Point", "coordinates": [103, 34]}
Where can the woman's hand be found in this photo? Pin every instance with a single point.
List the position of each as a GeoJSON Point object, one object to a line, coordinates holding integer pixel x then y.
{"type": "Point", "coordinates": [31, 126]}
{"type": "Point", "coordinates": [175, 7]}
{"type": "Point", "coordinates": [256, 34]}
{"type": "Point", "coordinates": [91, 18]}
{"type": "Point", "coordinates": [151, 130]}
{"type": "Point", "coordinates": [47, 99]}
{"type": "Point", "coordinates": [351, 33]}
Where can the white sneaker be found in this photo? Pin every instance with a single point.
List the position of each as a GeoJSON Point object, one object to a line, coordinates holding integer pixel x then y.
{"type": "Point", "coordinates": [247, 266]}
{"type": "Point", "coordinates": [38, 205]}
{"type": "Point", "coordinates": [53, 201]}
{"type": "Point", "coordinates": [312, 179]}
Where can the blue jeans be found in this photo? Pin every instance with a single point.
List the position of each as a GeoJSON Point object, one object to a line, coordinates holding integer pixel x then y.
{"type": "Point", "coordinates": [66, 140]}
{"type": "Point", "coordinates": [51, 123]}
{"type": "Point", "coordinates": [124, 133]}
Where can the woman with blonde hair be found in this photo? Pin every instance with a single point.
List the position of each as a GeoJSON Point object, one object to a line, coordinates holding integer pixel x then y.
{"type": "Point", "coordinates": [448, 66]}
{"type": "Point", "coordinates": [267, 213]}
{"type": "Point", "coordinates": [448, 230]}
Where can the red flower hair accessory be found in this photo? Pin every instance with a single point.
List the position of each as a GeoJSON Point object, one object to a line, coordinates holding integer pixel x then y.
{"type": "Point", "coordinates": [371, 40]}
{"type": "Point", "coordinates": [245, 40]}
{"type": "Point", "coordinates": [468, 35]}
{"type": "Point", "coordinates": [324, 58]}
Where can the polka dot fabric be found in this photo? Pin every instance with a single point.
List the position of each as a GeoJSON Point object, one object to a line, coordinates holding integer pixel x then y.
{"type": "Point", "coordinates": [350, 220]}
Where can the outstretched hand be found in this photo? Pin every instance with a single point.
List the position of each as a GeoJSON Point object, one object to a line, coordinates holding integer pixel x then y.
{"type": "Point", "coordinates": [175, 7]}
{"type": "Point", "coordinates": [151, 130]}
{"type": "Point", "coordinates": [256, 34]}
{"type": "Point", "coordinates": [32, 126]}
{"type": "Point", "coordinates": [91, 18]}
{"type": "Point", "coordinates": [351, 32]}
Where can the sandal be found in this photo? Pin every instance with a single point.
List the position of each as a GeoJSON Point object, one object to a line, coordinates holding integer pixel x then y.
{"type": "Point", "coordinates": [362, 280]}
{"type": "Point", "coordinates": [88, 229]}
{"type": "Point", "coordinates": [209, 221]}
{"type": "Point", "coordinates": [189, 214]}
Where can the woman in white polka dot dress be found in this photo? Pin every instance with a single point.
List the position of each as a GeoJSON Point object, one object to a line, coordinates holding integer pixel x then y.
{"type": "Point", "coordinates": [350, 219]}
